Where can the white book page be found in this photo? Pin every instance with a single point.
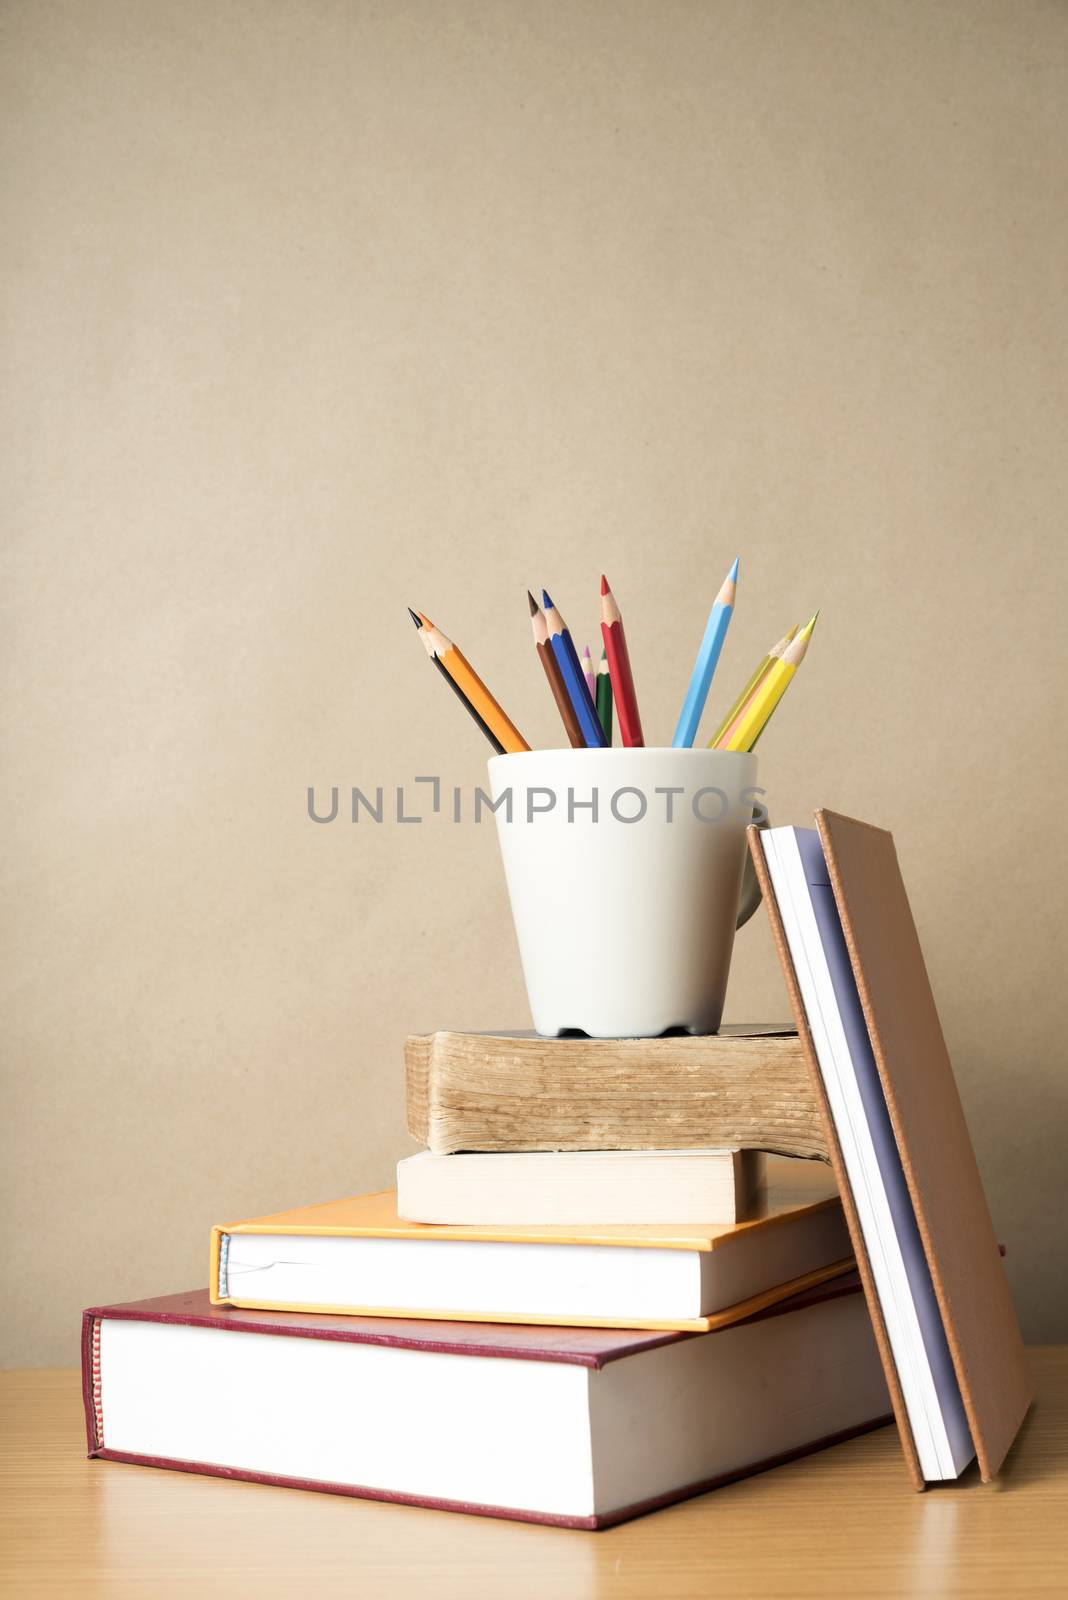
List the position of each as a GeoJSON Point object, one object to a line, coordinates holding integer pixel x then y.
{"type": "Point", "coordinates": [486, 1279]}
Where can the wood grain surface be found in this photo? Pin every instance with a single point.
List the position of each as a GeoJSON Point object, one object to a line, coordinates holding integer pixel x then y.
{"type": "Point", "coordinates": [844, 1522]}
{"type": "Point", "coordinates": [744, 1089]}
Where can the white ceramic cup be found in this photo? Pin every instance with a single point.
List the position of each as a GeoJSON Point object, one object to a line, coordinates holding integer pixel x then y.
{"type": "Point", "coordinates": [625, 918]}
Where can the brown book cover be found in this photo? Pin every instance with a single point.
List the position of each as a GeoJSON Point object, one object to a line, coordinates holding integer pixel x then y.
{"type": "Point", "coordinates": [931, 1134]}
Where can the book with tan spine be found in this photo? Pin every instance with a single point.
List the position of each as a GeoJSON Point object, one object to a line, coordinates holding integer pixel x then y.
{"type": "Point", "coordinates": [579, 1186]}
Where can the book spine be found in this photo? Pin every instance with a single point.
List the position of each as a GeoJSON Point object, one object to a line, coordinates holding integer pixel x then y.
{"type": "Point", "coordinates": [218, 1269]}
{"type": "Point", "coordinates": [91, 1395]}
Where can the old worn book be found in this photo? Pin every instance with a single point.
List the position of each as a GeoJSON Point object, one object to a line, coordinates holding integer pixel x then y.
{"type": "Point", "coordinates": [558, 1425]}
{"type": "Point", "coordinates": [929, 1259]}
{"type": "Point", "coordinates": [357, 1256]}
{"type": "Point", "coordinates": [747, 1088]}
{"type": "Point", "coordinates": [579, 1186]}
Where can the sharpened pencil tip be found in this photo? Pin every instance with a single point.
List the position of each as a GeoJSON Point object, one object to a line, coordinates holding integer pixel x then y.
{"type": "Point", "coordinates": [733, 573]}
{"type": "Point", "coordinates": [604, 584]}
{"type": "Point", "coordinates": [425, 620]}
{"type": "Point", "coordinates": [533, 604]}
{"type": "Point", "coordinates": [415, 617]}
{"type": "Point", "coordinates": [546, 602]}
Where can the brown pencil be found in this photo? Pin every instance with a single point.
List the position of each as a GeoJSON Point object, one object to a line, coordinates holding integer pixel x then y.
{"type": "Point", "coordinates": [552, 672]}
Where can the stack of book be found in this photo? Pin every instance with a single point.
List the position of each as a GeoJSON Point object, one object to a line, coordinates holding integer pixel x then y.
{"type": "Point", "coordinates": [589, 1296]}
{"type": "Point", "coordinates": [571, 1335]}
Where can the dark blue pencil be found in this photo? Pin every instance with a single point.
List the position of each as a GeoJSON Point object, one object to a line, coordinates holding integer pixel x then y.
{"type": "Point", "coordinates": [578, 689]}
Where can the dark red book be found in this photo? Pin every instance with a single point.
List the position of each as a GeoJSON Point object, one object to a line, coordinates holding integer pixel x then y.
{"type": "Point", "coordinates": [582, 1427]}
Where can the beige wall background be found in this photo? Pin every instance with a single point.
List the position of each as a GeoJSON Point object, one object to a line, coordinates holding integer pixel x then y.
{"type": "Point", "coordinates": [318, 309]}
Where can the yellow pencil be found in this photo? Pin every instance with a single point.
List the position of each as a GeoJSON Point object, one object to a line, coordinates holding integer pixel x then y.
{"type": "Point", "coordinates": [467, 680]}
{"type": "Point", "coordinates": [758, 677]}
{"type": "Point", "coordinates": [750, 725]}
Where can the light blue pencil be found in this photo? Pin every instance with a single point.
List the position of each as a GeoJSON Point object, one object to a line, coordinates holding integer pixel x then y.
{"type": "Point", "coordinates": [719, 620]}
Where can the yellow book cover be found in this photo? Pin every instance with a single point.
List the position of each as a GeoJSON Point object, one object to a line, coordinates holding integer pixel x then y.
{"type": "Point", "coordinates": [356, 1257]}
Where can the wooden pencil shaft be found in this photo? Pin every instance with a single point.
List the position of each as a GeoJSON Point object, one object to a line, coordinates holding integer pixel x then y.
{"type": "Point", "coordinates": [460, 670]}
{"type": "Point", "coordinates": [751, 687]}
{"type": "Point", "coordinates": [604, 699]}
{"type": "Point", "coordinates": [739, 705]}
{"type": "Point", "coordinates": [589, 675]}
{"type": "Point", "coordinates": [561, 696]}
{"type": "Point", "coordinates": [563, 647]}
{"type": "Point", "coordinates": [630, 722]}
{"type": "Point", "coordinates": [754, 719]}
{"type": "Point", "coordinates": [623, 692]}
{"type": "Point", "coordinates": [465, 702]}
{"type": "Point", "coordinates": [502, 725]}
{"type": "Point", "coordinates": [708, 654]}
{"type": "Point", "coordinates": [576, 686]}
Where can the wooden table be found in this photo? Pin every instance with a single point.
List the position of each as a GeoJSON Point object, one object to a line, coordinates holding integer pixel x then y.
{"type": "Point", "coordinates": [844, 1522]}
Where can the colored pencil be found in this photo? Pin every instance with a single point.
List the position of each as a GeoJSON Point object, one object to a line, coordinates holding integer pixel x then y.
{"type": "Point", "coordinates": [589, 675]}
{"type": "Point", "coordinates": [760, 673]}
{"type": "Point", "coordinates": [604, 697]}
{"type": "Point", "coordinates": [455, 687]}
{"type": "Point", "coordinates": [615, 643]}
{"type": "Point", "coordinates": [719, 620]}
{"type": "Point", "coordinates": [552, 672]}
{"type": "Point", "coordinates": [751, 724]}
{"type": "Point", "coordinates": [473, 691]}
{"type": "Point", "coordinates": [570, 670]}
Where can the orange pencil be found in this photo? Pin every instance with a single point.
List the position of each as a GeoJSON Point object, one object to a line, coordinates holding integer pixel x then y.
{"type": "Point", "coordinates": [467, 681]}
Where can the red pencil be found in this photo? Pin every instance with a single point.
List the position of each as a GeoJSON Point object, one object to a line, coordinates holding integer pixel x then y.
{"type": "Point", "coordinates": [615, 643]}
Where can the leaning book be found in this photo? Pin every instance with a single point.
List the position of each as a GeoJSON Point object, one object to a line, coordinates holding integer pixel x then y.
{"type": "Point", "coordinates": [571, 1426]}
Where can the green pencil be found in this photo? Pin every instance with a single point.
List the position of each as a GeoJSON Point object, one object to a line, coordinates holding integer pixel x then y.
{"type": "Point", "coordinates": [604, 697]}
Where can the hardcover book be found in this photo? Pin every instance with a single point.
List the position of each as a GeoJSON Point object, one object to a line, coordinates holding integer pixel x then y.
{"type": "Point", "coordinates": [557, 1425]}
{"type": "Point", "coordinates": [925, 1245]}
{"type": "Point", "coordinates": [358, 1256]}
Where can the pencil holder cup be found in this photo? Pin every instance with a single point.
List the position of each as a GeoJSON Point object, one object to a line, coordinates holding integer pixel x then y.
{"type": "Point", "coordinates": [627, 873]}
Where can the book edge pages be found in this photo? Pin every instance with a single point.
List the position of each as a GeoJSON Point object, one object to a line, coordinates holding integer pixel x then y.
{"type": "Point", "coordinates": [590, 1524]}
{"type": "Point", "coordinates": [706, 1324]}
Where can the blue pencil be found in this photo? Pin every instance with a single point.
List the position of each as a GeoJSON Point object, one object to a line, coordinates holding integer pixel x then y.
{"type": "Point", "coordinates": [578, 689]}
{"type": "Point", "coordinates": [719, 620]}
